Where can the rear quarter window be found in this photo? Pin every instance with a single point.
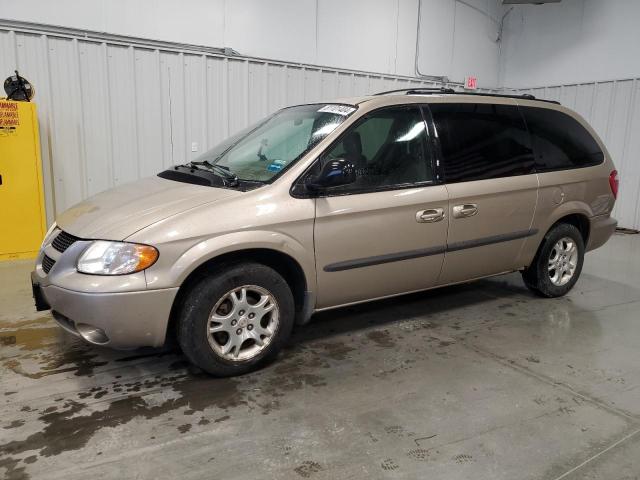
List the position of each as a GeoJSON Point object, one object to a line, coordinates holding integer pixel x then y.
{"type": "Point", "coordinates": [559, 141]}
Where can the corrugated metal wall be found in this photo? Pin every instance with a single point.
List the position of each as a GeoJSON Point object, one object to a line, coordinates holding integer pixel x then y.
{"type": "Point", "coordinates": [112, 111]}
{"type": "Point", "coordinates": [613, 109]}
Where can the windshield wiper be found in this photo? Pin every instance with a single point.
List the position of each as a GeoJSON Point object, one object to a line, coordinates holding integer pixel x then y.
{"type": "Point", "coordinates": [230, 178]}
{"type": "Point", "coordinates": [226, 173]}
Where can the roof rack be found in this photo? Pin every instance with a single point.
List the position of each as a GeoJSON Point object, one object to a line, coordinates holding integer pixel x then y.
{"type": "Point", "coordinates": [451, 91]}
{"type": "Point", "coordinates": [413, 91]}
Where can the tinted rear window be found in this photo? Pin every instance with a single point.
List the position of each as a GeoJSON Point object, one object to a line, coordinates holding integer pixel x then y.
{"type": "Point", "coordinates": [559, 141]}
{"type": "Point", "coordinates": [480, 141]}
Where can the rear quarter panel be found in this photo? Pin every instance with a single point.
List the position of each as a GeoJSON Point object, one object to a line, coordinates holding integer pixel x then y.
{"type": "Point", "coordinates": [583, 191]}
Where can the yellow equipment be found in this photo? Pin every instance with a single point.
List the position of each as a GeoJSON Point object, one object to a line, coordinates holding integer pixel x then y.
{"type": "Point", "coordinates": [22, 210]}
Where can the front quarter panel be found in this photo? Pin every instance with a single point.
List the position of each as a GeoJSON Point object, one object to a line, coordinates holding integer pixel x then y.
{"type": "Point", "coordinates": [207, 249]}
{"type": "Point", "coordinates": [267, 218]}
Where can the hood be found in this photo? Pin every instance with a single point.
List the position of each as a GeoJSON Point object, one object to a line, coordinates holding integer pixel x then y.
{"type": "Point", "coordinates": [120, 212]}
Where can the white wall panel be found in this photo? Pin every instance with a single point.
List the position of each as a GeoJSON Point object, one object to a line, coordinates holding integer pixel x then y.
{"type": "Point", "coordinates": [94, 88]}
{"type": "Point", "coordinates": [148, 112]}
{"type": "Point", "coordinates": [68, 140]}
{"type": "Point", "coordinates": [312, 85]}
{"type": "Point", "coordinates": [111, 112]}
{"type": "Point", "coordinates": [457, 37]}
{"type": "Point", "coordinates": [121, 105]}
{"type": "Point", "coordinates": [613, 110]}
{"type": "Point", "coordinates": [571, 42]}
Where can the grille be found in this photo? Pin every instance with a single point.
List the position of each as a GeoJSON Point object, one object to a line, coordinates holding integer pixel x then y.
{"type": "Point", "coordinates": [47, 263]}
{"type": "Point", "coordinates": [63, 241]}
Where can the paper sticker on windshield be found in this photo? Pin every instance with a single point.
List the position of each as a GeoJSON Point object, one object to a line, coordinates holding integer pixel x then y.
{"type": "Point", "coordinates": [337, 109]}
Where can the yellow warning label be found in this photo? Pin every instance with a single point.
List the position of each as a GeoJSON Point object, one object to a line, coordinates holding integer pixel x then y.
{"type": "Point", "coordinates": [9, 114]}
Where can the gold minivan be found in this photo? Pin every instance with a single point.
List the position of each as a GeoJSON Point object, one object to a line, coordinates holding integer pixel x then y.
{"type": "Point", "coordinates": [330, 204]}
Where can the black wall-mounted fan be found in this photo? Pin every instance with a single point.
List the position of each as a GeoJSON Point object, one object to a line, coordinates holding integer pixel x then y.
{"type": "Point", "coordinates": [18, 88]}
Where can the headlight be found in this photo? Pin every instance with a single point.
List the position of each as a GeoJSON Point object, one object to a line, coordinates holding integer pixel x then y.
{"type": "Point", "coordinates": [116, 258]}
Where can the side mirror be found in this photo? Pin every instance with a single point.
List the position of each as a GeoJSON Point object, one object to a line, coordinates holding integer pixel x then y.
{"type": "Point", "coordinates": [335, 173]}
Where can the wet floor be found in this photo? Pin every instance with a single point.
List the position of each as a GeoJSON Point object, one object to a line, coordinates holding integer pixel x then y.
{"type": "Point", "coordinates": [481, 381]}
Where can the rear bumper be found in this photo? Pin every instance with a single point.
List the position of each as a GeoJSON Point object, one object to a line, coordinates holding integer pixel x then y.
{"type": "Point", "coordinates": [602, 227]}
{"type": "Point", "coordinates": [118, 320]}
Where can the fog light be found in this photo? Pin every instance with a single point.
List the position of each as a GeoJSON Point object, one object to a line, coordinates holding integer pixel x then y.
{"type": "Point", "coordinates": [92, 334]}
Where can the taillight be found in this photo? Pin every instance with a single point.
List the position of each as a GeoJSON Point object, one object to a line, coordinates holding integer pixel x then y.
{"type": "Point", "coordinates": [614, 183]}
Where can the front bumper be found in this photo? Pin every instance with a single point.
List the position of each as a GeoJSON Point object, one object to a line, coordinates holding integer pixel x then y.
{"type": "Point", "coordinates": [115, 311]}
{"type": "Point", "coordinates": [118, 320]}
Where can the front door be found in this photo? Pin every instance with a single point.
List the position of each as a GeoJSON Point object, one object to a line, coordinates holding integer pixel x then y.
{"type": "Point", "coordinates": [386, 233]}
{"type": "Point", "coordinates": [488, 169]}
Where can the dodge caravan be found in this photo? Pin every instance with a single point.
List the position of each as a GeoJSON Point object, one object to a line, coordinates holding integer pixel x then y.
{"type": "Point", "coordinates": [324, 205]}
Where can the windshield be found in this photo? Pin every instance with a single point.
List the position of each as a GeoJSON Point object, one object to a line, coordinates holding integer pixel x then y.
{"type": "Point", "coordinates": [260, 152]}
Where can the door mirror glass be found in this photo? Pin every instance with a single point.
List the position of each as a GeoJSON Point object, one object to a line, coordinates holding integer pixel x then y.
{"type": "Point", "coordinates": [334, 173]}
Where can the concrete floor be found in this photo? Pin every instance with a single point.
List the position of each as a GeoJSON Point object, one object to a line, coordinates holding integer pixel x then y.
{"type": "Point", "coordinates": [481, 381]}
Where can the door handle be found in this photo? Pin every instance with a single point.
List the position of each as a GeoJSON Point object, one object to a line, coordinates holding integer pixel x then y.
{"type": "Point", "coordinates": [465, 210]}
{"type": "Point", "coordinates": [430, 216]}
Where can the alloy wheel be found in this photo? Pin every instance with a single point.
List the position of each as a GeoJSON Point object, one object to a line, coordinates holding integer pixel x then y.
{"type": "Point", "coordinates": [563, 260]}
{"type": "Point", "coordinates": [243, 323]}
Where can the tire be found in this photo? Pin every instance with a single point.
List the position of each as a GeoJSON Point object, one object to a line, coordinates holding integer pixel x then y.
{"type": "Point", "coordinates": [548, 282]}
{"type": "Point", "coordinates": [243, 322]}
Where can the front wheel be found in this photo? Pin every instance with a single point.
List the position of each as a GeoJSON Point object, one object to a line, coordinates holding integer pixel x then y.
{"type": "Point", "coordinates": [558, 263]}
{"type": "Point", "coordinates": [236, 320]}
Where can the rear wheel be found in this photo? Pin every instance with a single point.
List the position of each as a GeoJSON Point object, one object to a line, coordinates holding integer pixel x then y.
{"type": "Point", "coordinates": [558, 263]}
{"type": "Point", "coordinates": [236, 320]}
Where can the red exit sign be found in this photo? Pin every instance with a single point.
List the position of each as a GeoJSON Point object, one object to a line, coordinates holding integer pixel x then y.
{"type": "Point", "coordinates": [471, 83]}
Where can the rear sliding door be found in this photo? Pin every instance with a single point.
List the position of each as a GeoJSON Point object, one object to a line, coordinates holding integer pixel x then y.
{"type": "Point", "coordinates": [488, 167]}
